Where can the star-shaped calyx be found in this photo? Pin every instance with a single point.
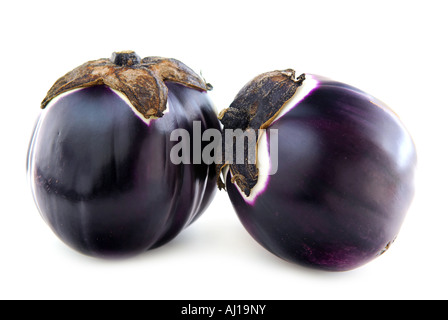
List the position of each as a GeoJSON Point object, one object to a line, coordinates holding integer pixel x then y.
{"type": "Point", "coordinates": [255, 107]}
{"type": "Point", "coordinates": [142, 81]}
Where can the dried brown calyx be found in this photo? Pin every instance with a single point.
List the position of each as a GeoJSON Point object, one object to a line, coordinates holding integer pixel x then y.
{"type": "Point", "coordinates": [255, 107]}
{"type": "Point", "coordinates": [140, 80]}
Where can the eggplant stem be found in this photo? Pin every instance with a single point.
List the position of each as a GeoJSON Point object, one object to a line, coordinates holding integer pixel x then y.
{"type": "Point", "coordinates": [142, 81]}
{"type": "Point", "coordinates": [255, 107]}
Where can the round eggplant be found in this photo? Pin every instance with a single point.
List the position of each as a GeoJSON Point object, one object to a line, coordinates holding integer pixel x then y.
{"type": "Point", "coordinates": [334, 173]}
{"type": "Point", "coordinates": [99, 158]}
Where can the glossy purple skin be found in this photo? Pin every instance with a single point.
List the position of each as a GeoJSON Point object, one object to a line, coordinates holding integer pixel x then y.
{"type": "Point", "coordinates": [344, 181]}
{"type": "Point", "coordinates": [103, 180]}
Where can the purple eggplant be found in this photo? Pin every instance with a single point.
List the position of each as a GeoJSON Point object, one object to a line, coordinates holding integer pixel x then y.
{"type": "Point", "coordinates": [99, 158]}
{"type": "Point", "coordinates": [344, 175]}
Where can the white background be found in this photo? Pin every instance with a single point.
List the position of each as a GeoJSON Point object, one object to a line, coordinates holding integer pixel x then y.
{"type": "Point", "coordinates": [395, 50]}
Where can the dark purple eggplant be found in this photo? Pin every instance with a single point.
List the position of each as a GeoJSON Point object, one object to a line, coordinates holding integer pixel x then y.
{"type": "Point", "coordinates": [99, 158]}
{"type": "Point", "coordinates": [344, 175]}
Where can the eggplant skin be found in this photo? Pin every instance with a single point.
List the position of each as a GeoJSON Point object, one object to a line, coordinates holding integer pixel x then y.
{"type": "Point", "coordinates": [102, 178]}
{"type": "Point", "coordinates": [344, 183]}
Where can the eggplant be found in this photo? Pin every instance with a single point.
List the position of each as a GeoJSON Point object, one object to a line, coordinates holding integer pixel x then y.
{"type": "Point", "coordinates": [99, 158]}
{"type": "Point", "coordinates": [334, 173]}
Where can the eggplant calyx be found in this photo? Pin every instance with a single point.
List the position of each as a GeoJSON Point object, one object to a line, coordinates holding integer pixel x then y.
{"type": "Point", "coordinates": [142, 81]}
{"type": "Point", "coordinates": [255, 107]}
